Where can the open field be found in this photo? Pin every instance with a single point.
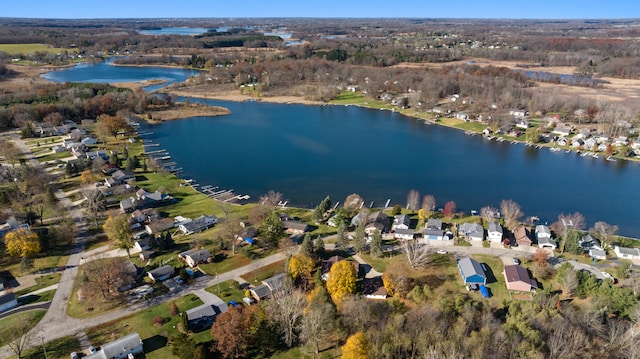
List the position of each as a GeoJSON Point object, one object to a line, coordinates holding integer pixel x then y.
{"type": "Point", "coordinates": [29, 48]}
{"type": "Point", "coordinates": [31, 318]}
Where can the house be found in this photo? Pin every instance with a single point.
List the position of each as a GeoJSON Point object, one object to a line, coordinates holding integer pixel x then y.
{"type": "Point", "coordinates": [325, 265]}
{"type": "Point", "coordinates": [126, 282]}
{"type": "Point", "coordinates": [522, 123]}
{"type": "Point", "coordinates": [128, 205]}
{"type": "Point", "coordinates": [543, 235]}
{"type": "Point", "coordinates": [123, 348]}
{"type": "Point", "coordinates": [562, 129]}
{"type": "Point", "coordinates": [517, 278]}
{"type": "Point", "coordinates": [295, 227]}
{"type": "Point", "coordinates": [194, 257]}
{"type": "Point", "coordinates": [471, 271]}
{"type": "Point", "coordinates": [433, 235]}
{"type": "Point", "coordinates": [146, 255]}
{"type": "Point", "coordinates": [373, 227]}
{"type": "Point", "coordinates": [267, 287]}
{"type": "Point", "coordinates": [519, 113]}
{"type": "Point", "coordinates": [161, 273]}
{"type": "Point", "coordinates": [119, 177]}
{"type": "Point", "coordinates": [462, 116]}
{"type": "Point", "coordinates": [494, 232]}
{"type": "Point", "coordinates": [627, 253]}
{"type": "Point", "coordinates": [521, 237]}
{"type": "Point", "coordinates": [158, 226]}
{"type": "Point", "coordinates": [144, 215]}
{"type": "Point", "coordinates": [7, 302]}
{"type": "Point", "coordinates": [597, 254]}
{"type": "Point", "coordinates": [89, 141]}
{"type": "Point", "coordinates": [405, 234]}
{"type": "Point", "coordinates": [590, 143]}
{"type": "Point", "coordinates": [587, 242]}
{"type": "Point", "coordinates": [401, 221]}
{"type": "Point", "coordinates": [144, 244]}
{"type": "Point", "coordinates": [198, 225]}
{"type": "Point", "coordinates": [473, 231]}
{"type": "Point", "coordinates": [434, 223]}
{"type": "Point", "coordinates": [147, 199]}
{"type": "Point", "coordinates": [58, 149]}
{"type": "Point", "coordinates": [202, 317]}
{"type": "Point", "coordinates": [373, 288]}
{"type": "Point", "coordinates": [378, 217]}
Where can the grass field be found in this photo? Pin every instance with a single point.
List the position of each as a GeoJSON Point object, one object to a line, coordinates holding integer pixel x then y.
{"type": "Point", "coordinates": [29, 48]}
{"type": "Point", "coordinates": [41, 282]}
{"type": "Point", "coordinates": [228, 290]}
{"type": "Point", "coordinates": [31, 318]}
{"type": "Point", "coordinates": [262, 273]}
{"type": "Point", "coordinates": [56, 349]}
{"type": "Point", "coordinates": [155, 338]}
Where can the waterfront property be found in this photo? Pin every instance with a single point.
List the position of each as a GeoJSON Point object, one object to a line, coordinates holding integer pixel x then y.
{"type": "Point", "coordinates": [471, 271]}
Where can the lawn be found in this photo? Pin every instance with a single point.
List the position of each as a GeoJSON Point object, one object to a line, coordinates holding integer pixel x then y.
{"type": "Point", "coordinates": [32, 317]}
{"type": "Point", "coordinates": [259, 274]}
{"type": "Point", "coordinates": [495, 279]}
{"type": "Point", "coordinates": [379, 264]}
{"type": "Point", "coordinates": [53, 156]}
{"type": "Point", "coordinates": [42, 141]}
{"type": "Point", "coordinates": [29, 48]}
{"type": "Point", "coordinates": [53, 258]}
{"type": "Point", "coordinates": [228, 290]}
{"type": "Point", "coordinates": [38, 298]}
{"type": "Point", "coordinates": [154, 337]}
{"type": "Point", "coordinates": [56, 349]}
{"type": "Point", "coordinates": [41, 282]}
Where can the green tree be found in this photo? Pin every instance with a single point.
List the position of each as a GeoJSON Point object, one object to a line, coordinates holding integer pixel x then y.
{"type": "Point", "coordinates": [184, 347]}
{"type": "Point", "coordinates": [321, 209]}
{"type": "Point", "coordinates": [341, 238]}
{"type": "Point", "coordinates": [375, 247]}
{"type": "Point", "coordinates": [359, 240]}
{"type": "Point", "coordinates": [319, 246]}
{"type": "Point", "coordinates": [342, 280]}
{"type": "Point", "coordinates": [118, 230]}
{"type": "Point", "coordinates": [396, 210]}
{"type": "Point", "coordinates": [306, 247]}
{"type": "Point", "coordinates": [272, 229]}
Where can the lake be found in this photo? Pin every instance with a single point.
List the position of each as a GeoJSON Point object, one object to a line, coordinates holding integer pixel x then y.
{"type": "Point", "coordinates": [106, 72]}
{"type": "Point", "coordinates": [190, 31]}
{"type": "Point", "coordinates": [308, 152]}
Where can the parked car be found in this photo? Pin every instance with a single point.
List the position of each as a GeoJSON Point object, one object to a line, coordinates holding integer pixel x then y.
{"type": "Point", "coordinates": [442, 251]}
{"type": "Point", "coordinates": [92, 349]}
{"type": "Point", "coordinates": [516, 261]}
{"type": "Point", "coordinates": [74, 355]}
{"type": "Point", "coordinates": [178, 280]}
{"type": "Point", "coordinates": [608, 276]}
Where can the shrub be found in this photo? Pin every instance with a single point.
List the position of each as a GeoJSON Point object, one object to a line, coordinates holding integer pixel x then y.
{"type": "Point", "coordinates": [157, 321]}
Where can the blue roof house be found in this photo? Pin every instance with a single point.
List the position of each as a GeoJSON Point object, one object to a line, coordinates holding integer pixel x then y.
{"type": "Point", "coordinates": [471, 271]}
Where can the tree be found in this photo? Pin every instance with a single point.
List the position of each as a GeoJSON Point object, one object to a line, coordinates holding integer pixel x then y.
{"type": "Point", "coordinates": [95, 203]}
{"type": "Point", "coordinates": [359, 240]}
{"type": "Point", "coordinates": [10, 152]}
{"type": "Point", "coordinates": [449, 209]}
{"type": "Point", "coordinates": [413, 199]}
{"type": "Point", "coordinates": [87, 177]}
{"type": "Point", "coordinates": [53, 119]}
{"type": "Point", "coordinates": [234, 330]}
{"type": "Point", "coordinates": [231, 230]}
{"type": "Point", "coordinates": [118, 230]}
{"type": "Point", "coordinates": [567, 224]}
{"type": "Point", "coordinates": [341, 281]}
{"type": "Point", "coordinates": [375, 247]}
{"type": "Point", "coordinates": [271, 199]}
{"type": "Point", "coordinates": [107, 276]}
{"type": "Point", "coordinates": [301, 266]}
{"type": "Point", "coordinates": [606, 232]}
{"type": "Point", "coordinates": [112, 124]}
{"type": "Point", "coordinates": [272, 229]}
{"type": "Point", "coordinates": [321, 209]}
{"type": "Point", "coordinates": [318, 320]}
{"type": "Point", "coordinates": [286, 309]}
{"type": "Point", "coordinates": [428, 205]}
{"type": "Point", "coordinates": [511, 213]}
{"type": "Point", "coordinates": [22, 242]}
{"type": "Point", "coordinates": [353, 202]}
{"type": "Point", "coordinates": [306, 247]}
{"type": "Point", "coordinates": [487, 213]}
{"type": "Point", "coordinates": [396, 210]}
{"type": "Point", "coordinates": [356, 347]}
{"type": "Point", "coordinates": [184, 347]}
{"type": "Point", "coordinates": [541, 267]}
{"type": "Point", "coordinates": [19, 336]}
{"type": "Point", "coordinates": [418, 255]}
{"type": "Point", "coordinates": [319, 246]}
{"type": "Point", "coordinates": [568, 279]}
{"type": "Point", "coordinates": [341, 238]}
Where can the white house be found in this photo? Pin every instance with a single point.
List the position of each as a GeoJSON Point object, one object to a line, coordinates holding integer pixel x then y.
{"type": "Point", "coordinates": [122, 348]}
{"type": "Point", "coordinates": [433, 235]}
{"type": "Point", "coordinates": [405, 234]}
{"type": "Point", "coordinates": [194, 257]}
{"type": "Point", "coordinates": [161, 273]}
{"type": "Point", "coordinates": [401, 221]}
{"type": "Point", "coordinates": [494, 232]}
{"type": "Point", "coordinates": [597, 253]}
{"type": "Point", "coordinates": [627, 253]}
{"type": "Point", "coordinates": [198, 225]}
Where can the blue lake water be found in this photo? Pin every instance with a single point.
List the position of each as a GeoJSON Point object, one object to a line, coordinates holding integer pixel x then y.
{"type": "Point", "coordinates": [106, 72]}
{"type": "Point", "coordinates": [308, 152]}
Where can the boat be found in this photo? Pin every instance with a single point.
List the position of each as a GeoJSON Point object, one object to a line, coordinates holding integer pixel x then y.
{"type": "Point", "coordinates": [610, 158]}
{"type": "Point", "coordinates": [554, 149]}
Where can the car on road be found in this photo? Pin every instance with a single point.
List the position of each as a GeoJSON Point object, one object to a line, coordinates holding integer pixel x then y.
{"type": "Point", "coordinates": [178, 280]}
{"type": "Point", "coordinates": [516, 261]}
{"type": "Point", "coordinates": [92, 349]}
{"type": "Point", "coordinates": [74, 355]}
{"type": "Point", "coordinates": [442, 251]}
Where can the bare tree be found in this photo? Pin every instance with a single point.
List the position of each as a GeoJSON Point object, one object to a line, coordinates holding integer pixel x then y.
{"type": "Point", "coordinates": [511, 213]}
{"type": "Point", "coordinates": [19, 336]}
{"type": "Point", "coordinates": [417, 254]}
{"type": "Point", "coordinates": [428, 204]}
{"type": "Point", "coordinates": [94, 203]}
{"type": "Point", "coordinates": [567, 223]}
{"type": "Point", "coordinates": [606, 232]}
{"type": "Point", "coordinates": [353, 201]}
{"type": "Point", "coordinates": [272, 198]}
{"type": "Point", "coordinates": [231, 229]}
{"type": "Point", "coordinates": [316, 323]}
{"type": "Point", "coordinates": [413, 199]}
{"type": "Point", "coordinates": [487, 213]}
{"type": "Point", "coordinates": [107, 277]}
{"type": "Point", "coordinates": [286, 308]}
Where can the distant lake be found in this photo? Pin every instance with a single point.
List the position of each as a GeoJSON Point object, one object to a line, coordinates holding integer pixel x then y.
{"type": "Point", "coordinates": [175, 31]}
{"type": "Point", "coordinates": [106, 72]}
{"type": "Point", "coordinates": [308, 152]}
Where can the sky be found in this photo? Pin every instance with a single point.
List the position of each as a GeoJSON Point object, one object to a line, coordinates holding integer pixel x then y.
{"type": "Point", "coordinates": [514, 9]}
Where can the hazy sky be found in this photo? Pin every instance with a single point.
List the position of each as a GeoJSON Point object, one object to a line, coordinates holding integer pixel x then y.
{"type": "Point", "coordinates": [555, 9]}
